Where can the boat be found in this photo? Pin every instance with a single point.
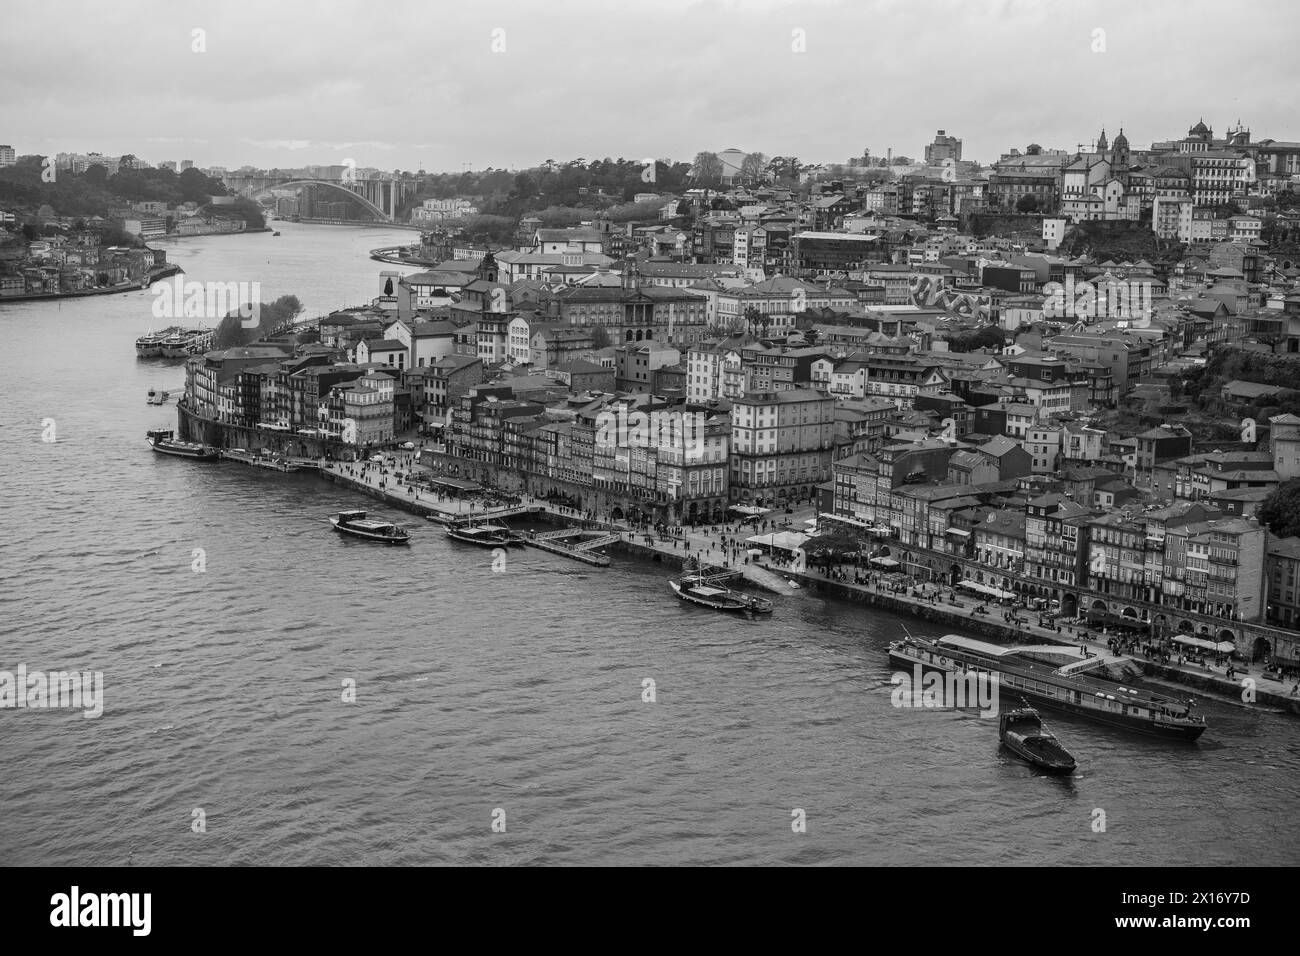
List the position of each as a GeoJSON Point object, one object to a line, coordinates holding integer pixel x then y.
{"type": "Point", "coordinates": [358, 525]}
{"type": "Point", "coordinates": [174, 342]}
{"type": "Point", "coordinates": [165, 442]}
{"type": "Point", "coordinates": [1023, 733]}
{"type": "Point", "coordinates": [1057, 677]}
{"type": "Point", "coordinates": [157, 397]}
{"type": "Point", "coordinates": [705, 592]}
{"type": "Point", "coordinates": [793, 583]}
{"type": "Point", "coordinates": [484, 535]}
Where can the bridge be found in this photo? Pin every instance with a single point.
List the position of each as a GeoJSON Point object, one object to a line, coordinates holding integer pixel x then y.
{"type": "Point", "coordinates": [380, 197]}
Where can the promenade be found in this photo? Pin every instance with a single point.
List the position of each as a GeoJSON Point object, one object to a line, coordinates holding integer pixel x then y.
{"type": "Point", "coordinates": [724, 545]}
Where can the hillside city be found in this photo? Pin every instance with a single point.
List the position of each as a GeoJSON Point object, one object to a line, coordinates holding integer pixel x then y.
{"type": "Point", "coordinates": [1065, 376]}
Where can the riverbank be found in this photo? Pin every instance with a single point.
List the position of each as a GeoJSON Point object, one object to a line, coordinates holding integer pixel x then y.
{"type": "Point", "coordinates": [960, 613]}
{"type": "Point", "coordinates": [723, 546]}
{"type": "Point", "coordinates": [134, 285]}
{"type": "Point", "coordinates": [170, 237]}
{"type": "Point", "coordinates": [391, 255]}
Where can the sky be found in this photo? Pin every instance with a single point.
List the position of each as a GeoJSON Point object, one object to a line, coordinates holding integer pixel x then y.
{"type": "Point", "coordinates": [446, 86]}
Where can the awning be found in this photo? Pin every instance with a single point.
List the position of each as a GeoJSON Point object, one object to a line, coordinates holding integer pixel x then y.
{"type": "Point", "coordinates": [884, 562]}
{"type": "Point", "coordinates": [853, 521]}
{"type": "Point", "coordinates": [881, 529]}
{"type": "Point", "coordinates": [749, 510]}
{"type": "Point", "coordinates": [779, 540]}
{"type": "Point", "coordinates": [988, 589]}
{"type": "Point", "coordinates": [1201, 642]}
{"type": "Point", "coordinates": [957, 531]}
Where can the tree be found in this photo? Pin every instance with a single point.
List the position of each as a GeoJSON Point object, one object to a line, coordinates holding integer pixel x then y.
{"type": "Point", "coordinates": [1027, 203]}
{"type": "Point", "coordinates": [600, 338]}
{"type": "Point", "coordinates": [1271, 339]}
{"type": "Point", "coordinates": [707, 168]}
{"type": "Point", "coordinates": [1280, 511]}
{"type": "Point", "coordinates": [753, 167]}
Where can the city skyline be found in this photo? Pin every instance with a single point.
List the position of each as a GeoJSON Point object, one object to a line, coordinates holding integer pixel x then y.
{"type": "Point", "coordinates": [238, 94]}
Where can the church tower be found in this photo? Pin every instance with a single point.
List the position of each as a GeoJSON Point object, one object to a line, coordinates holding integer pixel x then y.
{"type": "Point", "coordinates": [1102, 145]}
{"type": "Point", "coordinates": [1119, 158]}
{"type": "Point", "coordinates": [487, 268]}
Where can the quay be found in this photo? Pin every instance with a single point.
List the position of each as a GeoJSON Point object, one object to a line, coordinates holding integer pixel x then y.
{"type": "Point", "coordinates": [723, 547]}
{"type": "Point", "coordinates": [961, 614]}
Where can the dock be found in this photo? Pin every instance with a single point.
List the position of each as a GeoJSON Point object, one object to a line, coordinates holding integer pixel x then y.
{"type": "Point", "coordinates": [572, 543]}
{"type": "Point", "coordinates": [282, 463]}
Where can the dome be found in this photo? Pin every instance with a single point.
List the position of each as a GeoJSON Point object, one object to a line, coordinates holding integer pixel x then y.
{"type": "Point", "coordinates": [1121, 139]}
{"type": "Point", "coordinates": [1199, 128]}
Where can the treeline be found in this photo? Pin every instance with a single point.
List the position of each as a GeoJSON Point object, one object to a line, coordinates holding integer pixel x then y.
{"type": "Point", "coordinates": [1119, 240]}
{"type": "Point", "coordinates": [94, 192]}
{"type": "Point", "coordinates": [1204, 386]}
{"type": "Point", "coordinates": [230, 331]}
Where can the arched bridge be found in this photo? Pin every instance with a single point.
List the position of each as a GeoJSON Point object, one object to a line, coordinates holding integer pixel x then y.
{"type": "Point", "coordinates": [380, 197]}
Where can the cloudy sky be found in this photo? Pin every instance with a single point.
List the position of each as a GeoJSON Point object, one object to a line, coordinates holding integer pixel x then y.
{"type": "Point", "coordinates": [442, 86]}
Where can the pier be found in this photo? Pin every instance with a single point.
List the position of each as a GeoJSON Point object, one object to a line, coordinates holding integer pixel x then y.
{"type": "Point", "coordinates": [572, 543]}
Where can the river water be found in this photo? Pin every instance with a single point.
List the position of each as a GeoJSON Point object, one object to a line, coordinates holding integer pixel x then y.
{"type": "Point", "coordinates": [514, 696]}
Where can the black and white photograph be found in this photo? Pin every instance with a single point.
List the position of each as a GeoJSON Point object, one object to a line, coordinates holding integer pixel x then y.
{"type": "Point", "coordinates": [681, 433]}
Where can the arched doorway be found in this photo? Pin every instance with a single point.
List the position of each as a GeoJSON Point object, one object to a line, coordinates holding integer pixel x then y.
{"type": "Point", "coordinates": [1261, 650]}
{"type": "Point", "coordinates": [1130, 612]}
{"type": "Point", "coordinates": [1184, 627]}
{"type": "Point", "coordinates": [954, 574]}
{"type": "Point", "coordinates": [1070, 605]}
{"type": "Point", "coordinates": [1098, 605]}
{"type": "Point", "coordinates": [1227, 635]}
{"type": "Point", "coordinates": [617, 514]}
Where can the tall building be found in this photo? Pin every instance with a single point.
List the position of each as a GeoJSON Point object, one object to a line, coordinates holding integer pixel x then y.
{"type": "Point", "coordinates": [943, 148]}
{"type": "Point", "coordinates": [7, 156]}
{"type": "Point", "coordinates": [781, 445]}
{"type": "Point", "coordinates": [186, 164]}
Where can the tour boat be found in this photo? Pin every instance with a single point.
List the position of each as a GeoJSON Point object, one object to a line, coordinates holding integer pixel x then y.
{"type": "Point", "coordinates": [164, 442]}
{"type": "Point", "coordinates": [358, 525]}
{"type": "Point", "coordinates": [484, 535]}
{"type": "Point", "coordinates": [174, 342]}
{"type": "Point", "coordinates": [1056, 677]}
{"type": "Point", "coordinates": [1023, 733]}
{"type": "Point", "coordinates": [699, 590]}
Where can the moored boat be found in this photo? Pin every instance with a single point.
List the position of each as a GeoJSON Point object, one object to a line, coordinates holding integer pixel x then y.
{"type": "Point", "coordinates": [165, 442]}
{"type": "Point", "coordinates": [484, 535]}
{"type": "Point", "coordinates": [174, 342]}
{"type": "Point", "coordinates": [157, 397]}
{"type": "Point", "coordinates": [358, 525]}
{"type": "Point", "coordinates": [1023, 733]}
{"type": "Point", "coordinates": [1055, 677]}
{"type": "Point", "coordinates": [699, 590]}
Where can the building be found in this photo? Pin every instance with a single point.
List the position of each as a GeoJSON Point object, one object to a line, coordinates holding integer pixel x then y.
{"type": "Point", "coordinates": [781, 445]}
{"type": "Point", "coordinates": [944, 150]}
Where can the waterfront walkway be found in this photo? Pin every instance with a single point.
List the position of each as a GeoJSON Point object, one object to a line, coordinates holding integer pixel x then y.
{"type": "Point", "coordinates": [724, 546]}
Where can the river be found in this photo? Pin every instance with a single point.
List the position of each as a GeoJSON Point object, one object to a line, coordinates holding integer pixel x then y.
{"type": "Point", "coordinates": [514, 696]}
